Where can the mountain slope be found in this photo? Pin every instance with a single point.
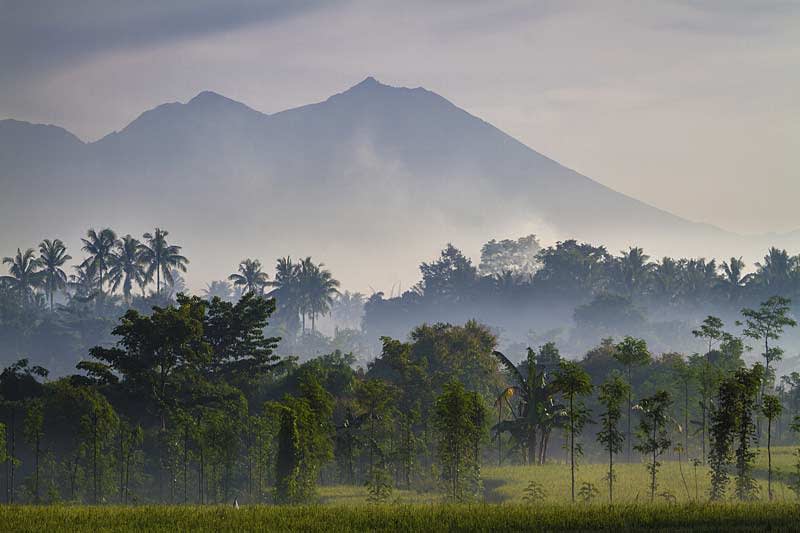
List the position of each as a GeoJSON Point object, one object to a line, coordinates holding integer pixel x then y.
{"type": "Point", "coordinates": [372, 180]}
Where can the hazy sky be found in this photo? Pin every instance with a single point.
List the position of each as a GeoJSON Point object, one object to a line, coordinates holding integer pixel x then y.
{"type": "Point", "coordinates": [691, 106]}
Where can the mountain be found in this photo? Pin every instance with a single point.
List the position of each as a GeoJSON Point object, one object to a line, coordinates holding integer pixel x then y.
{"type": "Point", "coordinates": [372, 181]}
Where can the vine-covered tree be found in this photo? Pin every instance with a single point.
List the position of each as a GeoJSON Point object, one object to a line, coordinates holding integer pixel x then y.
{"type": "Point", "coordinates": [459, 417]}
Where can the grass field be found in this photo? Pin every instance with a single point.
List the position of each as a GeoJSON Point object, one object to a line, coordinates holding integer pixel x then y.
{"type": "Point", "coordinates": [551, 517]}
{"type": "Point", "coordinates": [345, 508]}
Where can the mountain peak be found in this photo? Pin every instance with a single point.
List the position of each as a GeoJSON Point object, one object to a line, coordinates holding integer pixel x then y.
{"type": "Point", "coordinates": [366, 84]}
{"type": "Point", "coordinates": [210, 98]}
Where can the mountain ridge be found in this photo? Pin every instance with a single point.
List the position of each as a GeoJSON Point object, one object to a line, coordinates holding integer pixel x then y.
{"type": "Point", "coordinates": [374, 160]}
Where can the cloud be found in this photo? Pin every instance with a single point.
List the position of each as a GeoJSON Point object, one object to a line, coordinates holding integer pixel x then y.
{"type": "Point", "coordinates": [38, 35]}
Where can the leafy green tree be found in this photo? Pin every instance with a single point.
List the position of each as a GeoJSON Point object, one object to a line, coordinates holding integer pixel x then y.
{"type": "Point", "coordinates": [250, 277]}
{"type": "Point", "coordinates": [19, 384]}
{"type": "Point", "coordinates": [771, 408]}
{"type": "Point", "coordinates": [129, 442]}
{"type": "Point", "coordinates": [517, 257]}
{"type": "Point", "coordinates": [304, 441]}
{"type": "Point", "coordinates": [450, 277]}
{"type": "Point", "coordinates": [572, 381]}
{"type": "Point", "coordinates": [457, 413]}
{"type": "Point", "coordinates": [631, 352]}
{"type": "Point", "coordinates": [653, 434]}
{"type": "Point", "coordinates": [289, 456]}
{"type": "Point", "coordinates": [33, 431]}
{"type": "Point", "coordinates": [161, 258]}
{"type": "Point", "coordinates": [613, 392]}
{"type": "Point", "coordinates": [52, 257]}
{"type": "Point", "coordinates": [710, 331]}
{"type": "Point", "coordinates": [25, 275]}
{"type": "Point", "coordinates": [375, 399]}
{"type": "Point", "coordinates": [766, 324]}
{"type": "Point", "coordinates": [732, 422]}
{"type": "Point", "coordinates": [240, 353]}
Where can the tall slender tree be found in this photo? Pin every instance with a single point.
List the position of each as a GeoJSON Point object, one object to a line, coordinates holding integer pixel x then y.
{"type": "Point", "coordinates": [613, 392]}
{"type": "Point", "coordinates": [127, 267]}
{"type": "Point", "coordinates": [631, 352]}
{"type": "Point", "coordinates": [573, 382]}
{"type": "Point", "coordinates": [711, 332]}
{"type": "Point", "coordinates": [161, 257]}
{"type": "Point", "coordinates": [52, 257]}
{"type": "Point", "coordinates": [100, 247]}
{"type": "Point", "coordinates": [653, 433]}
{"type": "Point", "coordinates": [766, 324]}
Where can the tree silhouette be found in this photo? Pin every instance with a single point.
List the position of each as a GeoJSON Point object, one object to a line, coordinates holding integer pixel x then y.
{"type": "Point", "coordinates": [161, 257]}
{"type": "Point", "coordinates": [127, 266]}
{"type": "Point", "coordinates": [250, 277]}
{"type": "Point", "coordinates": [52, 257]}
{"type": "Point", "coordinates": [100, 247]}
{"type": "Point", "coordinates": [25, 275]}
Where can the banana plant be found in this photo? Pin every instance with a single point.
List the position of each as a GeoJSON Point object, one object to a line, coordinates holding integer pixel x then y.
{"type": "Point", "coordinates": [536, 412]}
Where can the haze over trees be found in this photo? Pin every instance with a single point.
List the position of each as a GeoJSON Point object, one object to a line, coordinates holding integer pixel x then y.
{"type": "Point", "coordinates": [147, 393]}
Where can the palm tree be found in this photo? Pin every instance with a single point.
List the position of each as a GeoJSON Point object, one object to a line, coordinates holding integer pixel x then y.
{"type": "Point", "coordinates": [666, 279]}
{"type": "Point", "coordinates": [733, 277]}
{"type": "Point", "coordinates": [52, 256]}
{"type": "Point", "coordinates": [218, 289]}
{"type": "Point", "coordinates": [634, 269]}
{"type": "Point", "coordinates": [318, 288]}
{"type": "Point", "coordinates": [83, 282]}
{"type": "Point", "coordinates": [176, 283]}
{"type": "Point", "coordinates": [349, 308]}
{"type": "Point", "coordinates": [25, 274]}
{"type": "Point", "coordinates": [250, 277]}
{"type": "Point", "coordinates": [161, 258]}
{"type": "Point", "coordinates": [777, 271]}
{"type": "Point", "coordinates": [286, 292]}
{"type": "Point", "coordinates": [127, 267]}
{"type": "Point", "coordinates": [100, 247]}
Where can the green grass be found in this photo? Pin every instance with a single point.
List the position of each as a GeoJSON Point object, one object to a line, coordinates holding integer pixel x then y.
{"type": "Point", "coordinates": [345, 508]}
{"type": "Point", "coordinates": [554, 517]}
{"type": "Point", "coordinates": [507, 484]}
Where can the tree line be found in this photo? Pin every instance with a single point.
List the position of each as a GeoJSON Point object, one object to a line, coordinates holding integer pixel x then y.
{"type": "Point", "coordinates": [190, 404]}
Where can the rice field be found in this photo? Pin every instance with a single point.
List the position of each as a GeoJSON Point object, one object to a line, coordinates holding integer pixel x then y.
{"type": "Point", "coordinates": [502, 507]}
{"type": "Point", "coordinates": [479, 517]}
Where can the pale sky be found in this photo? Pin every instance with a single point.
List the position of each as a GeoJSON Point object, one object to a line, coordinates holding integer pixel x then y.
{"type": "Point", "coordinates": [691, 106]}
